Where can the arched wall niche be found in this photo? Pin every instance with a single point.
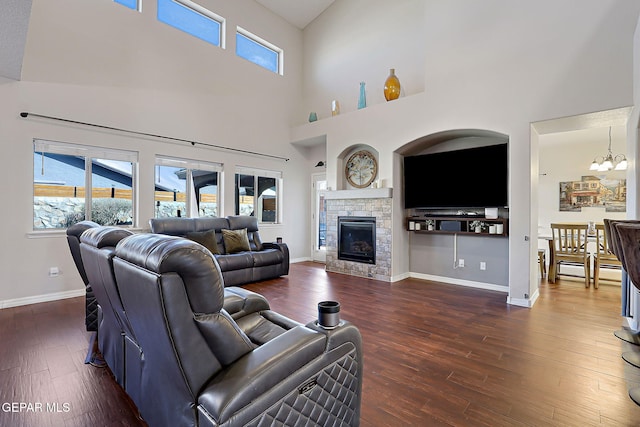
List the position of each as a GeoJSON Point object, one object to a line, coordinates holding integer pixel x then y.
{"type": "Point", "coordinates": [449, 140]}
{"type": "Point", "coordinates": [452, 140]}
{"type": "Point", "coordinates": [342, 159]}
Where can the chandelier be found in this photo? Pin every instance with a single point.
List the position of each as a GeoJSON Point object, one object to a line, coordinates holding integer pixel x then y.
{"type": "Point", "coordinates": [608, 162]}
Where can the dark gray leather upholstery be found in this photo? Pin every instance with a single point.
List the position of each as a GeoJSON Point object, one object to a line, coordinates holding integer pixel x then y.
{"type": "Point", "coordinates": [266, 260]}
{"type": "Point", "coordinates": [202, 367]}
{"type": "Point", "coordinates": [91, 305]}
{"type": "Point", "coordinates": [115, 337]}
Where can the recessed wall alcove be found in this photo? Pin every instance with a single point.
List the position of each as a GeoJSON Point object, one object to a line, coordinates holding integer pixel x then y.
{"type": "Point", "coordinates": [436, 256]}
{"type": "Point", "coordinates": [341, 161]}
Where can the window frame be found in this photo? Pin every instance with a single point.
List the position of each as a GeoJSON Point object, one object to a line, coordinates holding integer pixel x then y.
{"type": "Point", "coordinates": [190, 165]}
{"type": "Point", "coordinates": [88, 153]}
{"type": "Point", "coordinates": [199, 10]}
{"type": "Point", "coordinates": [260, 173]}
{"type": "Point", "coordinates": [265, 44]}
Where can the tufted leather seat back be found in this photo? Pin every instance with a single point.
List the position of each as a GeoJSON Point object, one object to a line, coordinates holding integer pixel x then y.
{"type": "Point", "coordinates": [182, 226]}
{"type": "Point", "coordinates": [173, 292]}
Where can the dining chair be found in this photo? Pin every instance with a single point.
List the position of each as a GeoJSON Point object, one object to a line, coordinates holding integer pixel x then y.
{"type": "Point", "coordinates": [569, 246]}
{"type": "Point", "coordinates": [542, 262]}
{"type": "Point", "coordinates": [603, 257]}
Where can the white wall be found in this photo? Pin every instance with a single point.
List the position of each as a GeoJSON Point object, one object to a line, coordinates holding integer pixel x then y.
{"type": "Point", "coordinates": [566, 156]}
{"type": "Point", "coordinates": [102, 63]}
{"type": "Point", "coordinates": [463, 64]}
{"type": "Point", "coordinates": [494, 65]}
{"type": "Point", "coordinates": [357, 41]}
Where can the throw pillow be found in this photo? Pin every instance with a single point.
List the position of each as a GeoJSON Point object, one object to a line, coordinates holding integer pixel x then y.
{"type": "Point", "coordinates": [206, 239]}
{"type": "Point", "coordinates": [235, 240]}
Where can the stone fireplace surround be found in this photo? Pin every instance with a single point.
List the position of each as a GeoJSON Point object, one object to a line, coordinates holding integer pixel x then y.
{"type": "Point", "coordinates": [370, 202]}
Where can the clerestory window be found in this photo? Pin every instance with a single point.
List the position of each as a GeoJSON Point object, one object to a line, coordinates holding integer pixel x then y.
{"type": "Point", "coordinates": [131, 4]}
{"type": "Point", "coordinates": [193, 19]}
{"type": "Point", "coordinates": [259, 51]}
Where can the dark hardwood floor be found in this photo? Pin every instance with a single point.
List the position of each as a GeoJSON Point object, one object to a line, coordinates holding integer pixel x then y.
{"type": "Point", "coordinates": [434, 355]}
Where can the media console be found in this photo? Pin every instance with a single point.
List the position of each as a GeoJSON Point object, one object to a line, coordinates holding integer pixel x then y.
{"type": "Point", "coordinates": [457, 224]}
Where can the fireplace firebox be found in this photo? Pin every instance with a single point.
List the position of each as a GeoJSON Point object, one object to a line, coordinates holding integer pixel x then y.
{"type": "Point", "coordinates": [357, 239]}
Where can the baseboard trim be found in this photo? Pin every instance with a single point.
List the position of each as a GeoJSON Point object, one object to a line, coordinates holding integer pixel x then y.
{"type": "Point", "coordinates": [461, 282]}
{"type": "Point", "coordinates": [524, 302]}
{"type": "Point", "coordinates": [399, 277]}
{"type": "Point", "coordinates": [303, 259]}
{"type": "Point", "coordinates": [16, 302]}
{"type": "Point", "coordinates": [631, 323]}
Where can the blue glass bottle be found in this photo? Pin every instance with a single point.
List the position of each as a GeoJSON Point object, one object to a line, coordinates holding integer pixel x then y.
{"type": "Point", "coordinates": [362, 101]}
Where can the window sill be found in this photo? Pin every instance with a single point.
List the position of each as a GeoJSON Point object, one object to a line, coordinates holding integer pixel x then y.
{"type": "Point", "coordinates": [49, 234]}
{"type": "Point", "coordinates": [46, 234]}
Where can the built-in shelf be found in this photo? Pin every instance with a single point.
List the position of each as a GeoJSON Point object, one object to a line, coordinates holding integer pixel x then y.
{"type": "Point", "coordinates": [495, 227]}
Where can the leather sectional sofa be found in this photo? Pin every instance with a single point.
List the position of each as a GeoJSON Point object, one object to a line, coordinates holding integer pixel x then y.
{"type": "Point", "coordinates": [257, 261]}
{"type": "Point", "coordinates": [191, 352]}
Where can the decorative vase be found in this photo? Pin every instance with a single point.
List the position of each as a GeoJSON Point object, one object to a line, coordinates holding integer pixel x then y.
{"type": "Point", "coordinates": [362, 100]}
{"type": "Point", "coordinates": [313, 117]}
{"type": "Point", "coordinates": [335, 108]}
{"type": "Point", "coordinates": [392, 86]}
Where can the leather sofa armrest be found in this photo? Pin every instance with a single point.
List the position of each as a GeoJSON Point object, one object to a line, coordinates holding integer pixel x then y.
{"type": "Point", "coordinates": [239, 302]}
{"type": "Point", "coordinates": [272, 245]}
{"type": "Point", "coordinates": [257, 372]}
{"type": "Point", "coordinates": [282, 247]}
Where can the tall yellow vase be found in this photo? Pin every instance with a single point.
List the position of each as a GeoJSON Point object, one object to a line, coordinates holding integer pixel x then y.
{"type": "Point", "coordinates": [392, 86]}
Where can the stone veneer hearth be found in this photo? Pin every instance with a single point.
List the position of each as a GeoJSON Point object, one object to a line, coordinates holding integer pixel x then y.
{"type": "Point", "coordinates": [361, 203]}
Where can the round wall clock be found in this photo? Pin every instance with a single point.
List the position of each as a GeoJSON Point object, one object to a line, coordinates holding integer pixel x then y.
{"type": "Point", "coordinates": [361, 169]}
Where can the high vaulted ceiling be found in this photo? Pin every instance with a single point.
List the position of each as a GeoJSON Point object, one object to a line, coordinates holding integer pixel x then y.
{"type": "Point", "coordinates": [14, 22]}
{"type": "Point", "coordinates": [297, 12]}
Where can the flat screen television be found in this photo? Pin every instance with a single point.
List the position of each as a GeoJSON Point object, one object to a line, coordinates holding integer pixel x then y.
{"type": "Point", "coordinates": [468, 178]}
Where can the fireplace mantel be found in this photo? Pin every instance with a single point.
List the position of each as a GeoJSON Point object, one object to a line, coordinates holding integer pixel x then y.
{"type": "Point", "coordinates": [365, 193]}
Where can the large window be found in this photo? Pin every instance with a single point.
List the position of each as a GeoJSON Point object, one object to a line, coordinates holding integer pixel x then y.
{"type": "Point", "coordinates": [193, 19]}
{"type": "Point", "coordinates": [258, 194]}
{"type": "Point", "coordinates": [259, 51]}
{"type": "Point", "coordinates": [186, 188]}
{"type": "Point", "coordinates": [72, 183]}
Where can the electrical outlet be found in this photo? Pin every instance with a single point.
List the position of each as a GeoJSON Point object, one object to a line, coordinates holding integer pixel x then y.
{"type": "Point", "coordinates": [54, 271]}
{"type": "Point", "coordinates": [460, 262]}
{"type": "Point", "coordinates": [483, 265]}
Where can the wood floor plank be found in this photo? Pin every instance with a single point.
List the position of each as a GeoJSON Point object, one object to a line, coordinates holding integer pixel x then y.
{"type": "Point", "coordinates": [434, 355]}
{"type": "Point", "coordinates": [540, 366]}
